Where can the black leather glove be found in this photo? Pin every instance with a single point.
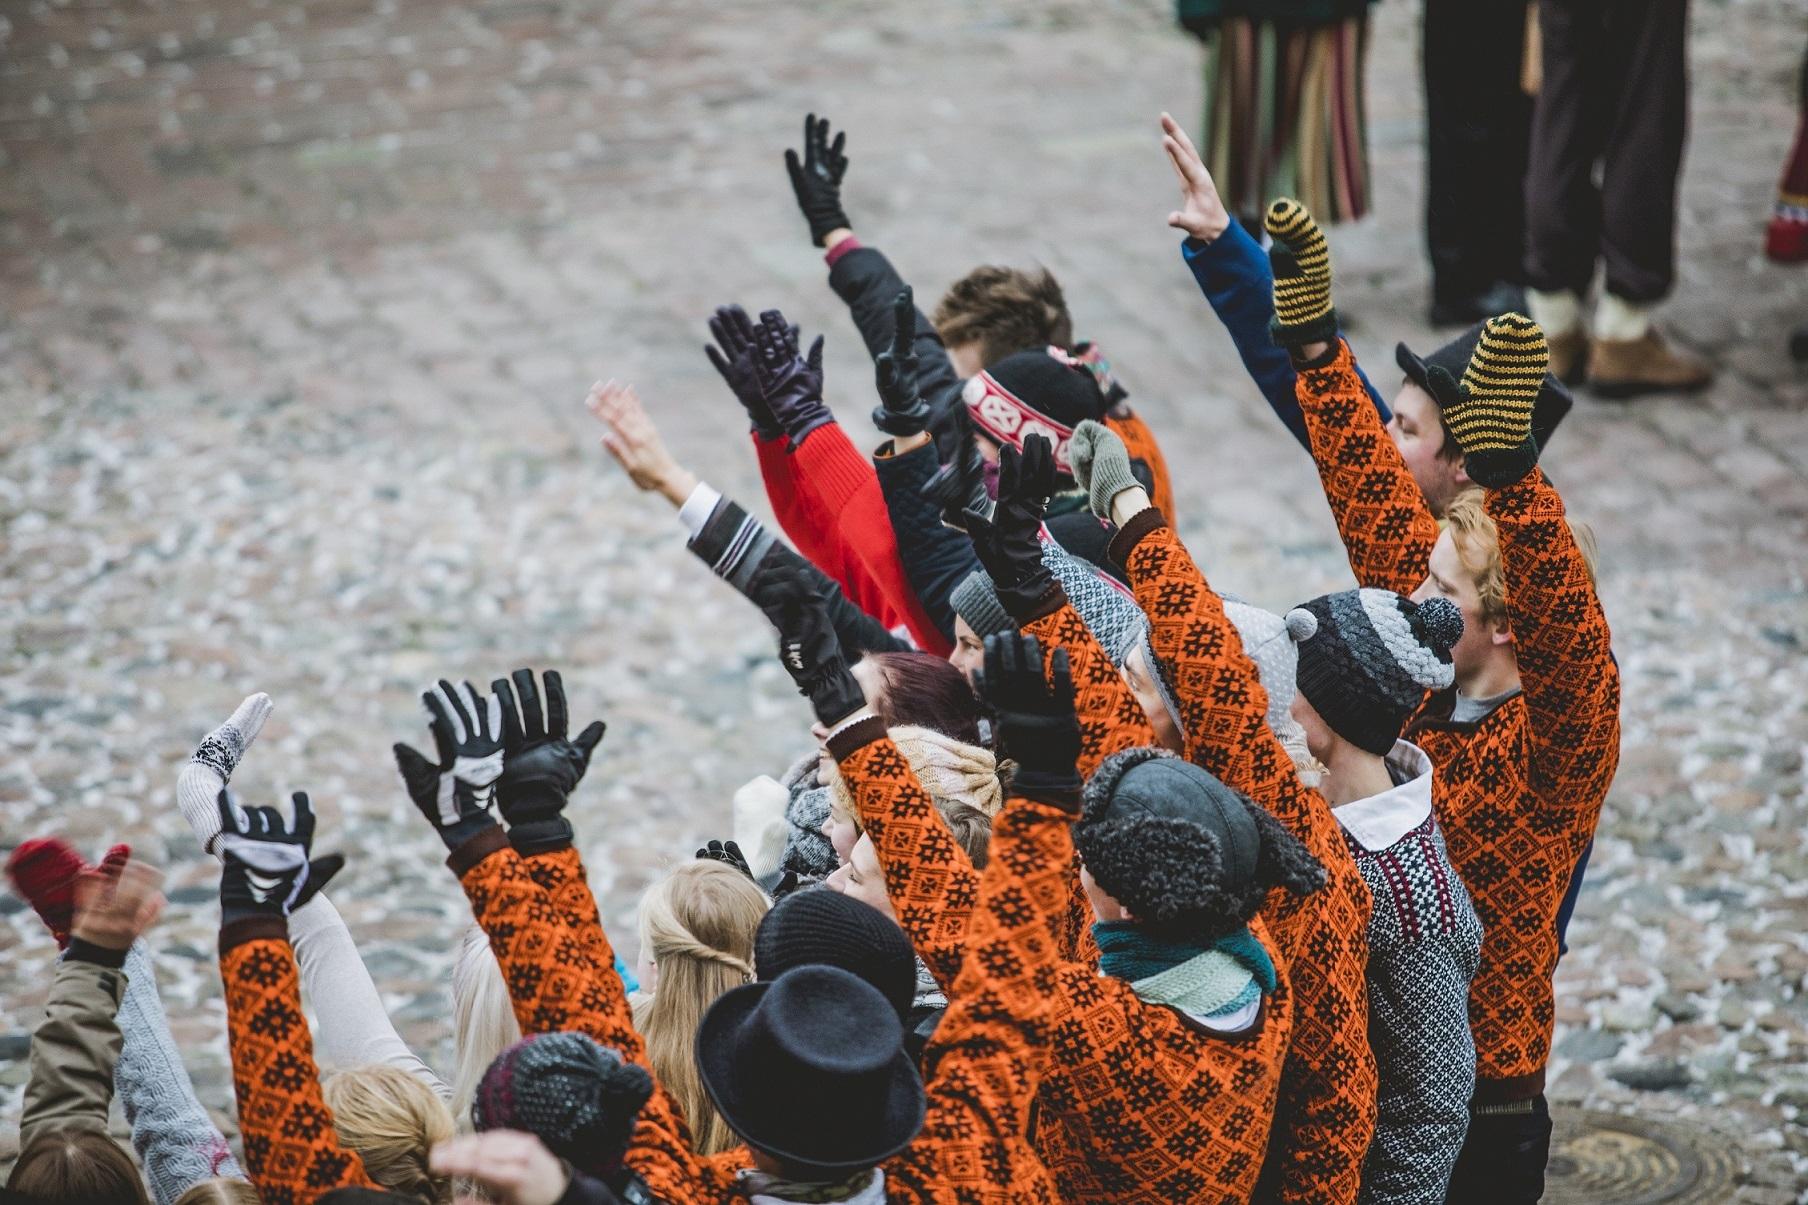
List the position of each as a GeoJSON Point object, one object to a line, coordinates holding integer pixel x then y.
{"type": "Point", "coordinates": [811, 654]}
{"type": "Point", "coordinates": [960, 485]}
{"type": "Point", "coordinates": [790, 382]}
{"type": "Point", "coordinates": [728, 853]}
{"type": "Point", "coordinates": [1008, 542]}
{"type": "Point", "coordinates": [455, 794]}
{"type": "Point", "coordinates": [901, 409]}
{"type": "Point", "coordinates": [817, 179]}
{"type": "Point", "coordinates": [266, 871]}
{"type": "Point", "coordinates": [732, 354]}
{"type": "Point", "coordinates": [540, 765]}
{"type": "Point", "coordinates": [1036, 724]}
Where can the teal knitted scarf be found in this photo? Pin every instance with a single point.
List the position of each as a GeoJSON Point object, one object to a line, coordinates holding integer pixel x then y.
{"type": "Point", "coordinates": [1213, 980]}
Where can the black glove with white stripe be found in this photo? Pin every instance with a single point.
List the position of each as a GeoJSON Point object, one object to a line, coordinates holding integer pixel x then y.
{"type": "Point", "coordinates": [455, 795]}
{"type": "Point", "coordinates": [267, 872]}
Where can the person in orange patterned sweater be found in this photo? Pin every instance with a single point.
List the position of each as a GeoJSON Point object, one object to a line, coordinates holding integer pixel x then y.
{"type": "Point", "coordinates": [1526, 742]}
{"type": "Point", "coordinates": [981, 1067]}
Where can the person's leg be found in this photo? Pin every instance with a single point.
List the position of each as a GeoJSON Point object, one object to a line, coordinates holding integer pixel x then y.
{"type": "Point", "coordinates": [1504, 1156]}
{"type": "Point", "coordinates": [1562, 202]}
{"type": "Point", "coordinates": [1478, 126]}
{"type": "Point", "coordinates": [1640, 168]}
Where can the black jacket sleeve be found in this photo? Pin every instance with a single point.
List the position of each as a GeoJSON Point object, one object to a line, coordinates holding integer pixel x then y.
{"type": "Point", "coordinates": [739, 550]}
{"type": "Point", "coordinates": [936, 557]}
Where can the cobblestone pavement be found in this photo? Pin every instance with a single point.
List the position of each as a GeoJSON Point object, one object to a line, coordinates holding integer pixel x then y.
{"type": "Point", "coordinates": [301, 301]}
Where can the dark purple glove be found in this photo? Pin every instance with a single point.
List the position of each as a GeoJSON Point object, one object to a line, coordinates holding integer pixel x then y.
{"type": "Point", "coordinates": [790, 382]}
{"type": "Point", "coordinates": [733, 354]}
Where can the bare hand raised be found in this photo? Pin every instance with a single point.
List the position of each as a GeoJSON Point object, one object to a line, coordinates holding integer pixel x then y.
{"type": "Point", "coordinates": [1201, 214]}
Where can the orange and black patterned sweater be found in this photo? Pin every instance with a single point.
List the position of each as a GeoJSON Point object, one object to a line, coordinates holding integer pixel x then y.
{"type": "Point", "coordinates": [1139, 1104]}
{"type": "Point", "coordinates": [291, 1149]}
{"type": "Point", "coordinates": [1326, 1113]}
{"type": "Point", "coordinates": [980, 1069]}
{"type": "Point", "coordinates": [1518, 792]}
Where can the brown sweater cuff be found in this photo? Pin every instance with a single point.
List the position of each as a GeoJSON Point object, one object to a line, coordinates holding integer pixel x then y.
{"type": "Point", "coordinates": [855, 736]}
{"type": "Point", "coordinates": [253, 928]}
{"type": "Point", "coordinates": [1501, 1091]}
{"type": "Point", "coordinates": [1131, 534]}
{"type": "Point", "coordinates": [477, 849]}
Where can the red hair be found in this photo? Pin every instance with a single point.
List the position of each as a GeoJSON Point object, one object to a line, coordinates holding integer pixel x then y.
{"type": "Point", "coordinates": [925, 691]}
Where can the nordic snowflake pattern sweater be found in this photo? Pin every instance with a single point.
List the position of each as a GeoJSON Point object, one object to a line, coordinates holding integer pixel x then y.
{"type": "Point", "coordinates": [1424, 946]}
{"type": "Point", "coordinates": [1518, 792]}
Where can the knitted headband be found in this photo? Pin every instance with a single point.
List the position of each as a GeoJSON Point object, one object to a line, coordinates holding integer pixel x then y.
{"type": "Point", "coordinates": [1009, 419]}
{"type": "Point", "coordinates": [1367, 657]}
{"type": "Point", "coordinates": [951, 771]}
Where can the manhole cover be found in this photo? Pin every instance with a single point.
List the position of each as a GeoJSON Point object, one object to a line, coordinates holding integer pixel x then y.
{"type": "Point", "coordinates": [1605, 1159]}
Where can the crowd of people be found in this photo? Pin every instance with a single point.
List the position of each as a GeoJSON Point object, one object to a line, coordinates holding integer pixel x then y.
{"type": "Point", "coordinates": [1091, 881]}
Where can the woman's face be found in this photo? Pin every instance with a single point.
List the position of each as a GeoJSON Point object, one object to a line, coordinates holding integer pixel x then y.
{"type": "Point", "coordinates": [842, 834]}
{"type": "Point", "coordinates": [1141, 682]}
{"type": "Point", "coordinates": [969, 652]}
{"type": "Point", "coordinates": [861, 878]}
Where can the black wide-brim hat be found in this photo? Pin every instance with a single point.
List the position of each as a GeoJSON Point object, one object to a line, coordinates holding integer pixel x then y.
{"type": "Point", "coordinates": [811, 1069]}
{"type": "Point", "coordinates": [1552, 403]}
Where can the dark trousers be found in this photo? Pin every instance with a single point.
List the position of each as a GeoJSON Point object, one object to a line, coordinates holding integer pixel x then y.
{"type": "Point", "coordinates": [1615, 94]}
{"type": "Point", "coordinates": [1478, 124]}
{"type": "Point", "coordinates": [1502, 1160]}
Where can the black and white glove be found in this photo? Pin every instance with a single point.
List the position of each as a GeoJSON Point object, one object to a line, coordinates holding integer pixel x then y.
{"type": "Point", "coordinates": [266, 870]}
{"type": "Point", "coordinates": [455, 795]}
{"type": "Point", "coordinates": [811, 654]}
{"type": "Point", "coordinates": [541, 766]}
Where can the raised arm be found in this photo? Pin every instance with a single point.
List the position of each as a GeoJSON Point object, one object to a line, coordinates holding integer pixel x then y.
{"type": "Point", "coordinates": [1232, 271]}
{"type": "Point", "coordinates": [291, 1148]}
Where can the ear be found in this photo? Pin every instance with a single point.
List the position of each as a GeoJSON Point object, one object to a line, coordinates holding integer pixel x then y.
{"type": "Point", "coordinates": [1459, 472]}
{"type": "Point", "coordinates": [1499, 633]}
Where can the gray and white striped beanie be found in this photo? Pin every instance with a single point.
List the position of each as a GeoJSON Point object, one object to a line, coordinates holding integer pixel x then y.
{"type": "Point", "coordinates": [1367, 657]}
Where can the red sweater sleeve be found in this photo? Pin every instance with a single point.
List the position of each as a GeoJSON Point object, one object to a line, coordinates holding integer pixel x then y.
{"type": "Point", "coordinates": [1387, 528]}
{"type": "Point", "coordinates": [932, 885]}
{"type": "Point", "coordinates": [291, 1149]}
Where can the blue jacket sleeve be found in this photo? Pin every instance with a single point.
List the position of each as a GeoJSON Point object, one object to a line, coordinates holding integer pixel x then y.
{"type": "Point", "coordinates": [1233, 273]}
{"type": "Point", "coordinates": [936, 557]}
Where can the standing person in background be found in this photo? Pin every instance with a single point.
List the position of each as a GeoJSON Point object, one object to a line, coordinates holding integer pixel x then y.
{"type": "Point", "coordinates": [1614, 92]}
{"type": "Point", "coordinates": [1478, 125]}
{"type": "Point", "coordinates": [1283, 102]}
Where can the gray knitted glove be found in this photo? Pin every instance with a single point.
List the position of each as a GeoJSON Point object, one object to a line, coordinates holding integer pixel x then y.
{"type": "Point", "coordinates": [1101, 465]}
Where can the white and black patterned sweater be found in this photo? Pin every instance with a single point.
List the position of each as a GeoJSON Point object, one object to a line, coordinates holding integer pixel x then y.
{"type": "Point", "coordinates": [1425, 944]}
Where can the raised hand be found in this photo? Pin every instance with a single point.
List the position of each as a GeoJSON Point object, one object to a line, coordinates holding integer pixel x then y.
{"type": "Point", "coordinates": [116, 902]}
{"type": "Point", "coordinates": [44, 871]}
{"type": "Point", "coordinates": [514, 1166]}
{"type": "Point", "coordinates": [959, 487]}
{"type": "Point", "coordinates": [541, 765]}
{"type": "Point", "coordinates": [811, 653]}
{"type": "Point", "coordinates": [632, 439]}
{"type": "Point", "coordinates": [901, 410]}
{"type": "Point", "coordinates": [1301, 260]}
{"type": "Point", "coordinates": [1008, 542]}
{"type": "Point", "coordinates": [210, 767]}
{"type": "Point", "coordinates": [728, 853]}
{"type": "Point", "coordinates": [267, 871]}
{"type": "Point", "coordinates": [732, 354]}
{"type": "Point", "coordinates": [1492, 419]}
{"type": "Point", "coordinates": [1101, 465]}
{"type": "Point", "coordinates": [816, 179]}
{"type": "Point", "coordinates": [1201, 214]}
{"type": "Point", "coordinates": [790, 382]}
{"type": "Point", "coordinates": [1037, 727]}
{"type": "Point", "coordinates": [455, 794]}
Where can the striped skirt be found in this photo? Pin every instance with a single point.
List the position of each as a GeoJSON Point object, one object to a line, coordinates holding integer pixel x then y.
{"type": "Point", "coordinates": [1284, 115]}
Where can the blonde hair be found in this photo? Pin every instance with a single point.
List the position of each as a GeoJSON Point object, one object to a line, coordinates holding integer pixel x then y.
{"type": "Point", "coordinates": [483, 1018]}
{"type": "Point", "coordinates": [391, 1120]}
{"type": "Point", "coordinates": [219, 1191]}
{"type": "Point", "coordinates": [1478, 547]}
{"type": "Point", "coordinates": [697, 926]}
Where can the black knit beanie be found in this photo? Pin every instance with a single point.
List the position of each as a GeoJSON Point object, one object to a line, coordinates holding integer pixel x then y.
{"type": "Point", "coordinates": [581, 1099]}
{"type": "Point", "coordinates": [1046, 393]}
{"type": "Point", "coordinates": [1367, 657]}
{"type": "Point", "coordinates": [1189, 857]}
{"type": "Point", "coordinates": [826, 928]}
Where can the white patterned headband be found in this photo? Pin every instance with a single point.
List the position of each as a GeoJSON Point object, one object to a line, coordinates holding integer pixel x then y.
{"type": "Point", "coordinates": [1008, 419]}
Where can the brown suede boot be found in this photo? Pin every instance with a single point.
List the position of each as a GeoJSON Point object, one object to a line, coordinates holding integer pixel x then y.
{"type": "Point", "coordinates": [1569, 355]}
{"type": "Point", "coordinates": [1628, 367]}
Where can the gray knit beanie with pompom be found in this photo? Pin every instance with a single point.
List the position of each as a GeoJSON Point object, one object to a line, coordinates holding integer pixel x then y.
{"type": "Point", "coordinates": [1367, 657]}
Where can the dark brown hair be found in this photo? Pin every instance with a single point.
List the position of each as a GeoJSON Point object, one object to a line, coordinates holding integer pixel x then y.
{"type": "Point", "coordinates": [83, 1167]}
{"type": "Point", "coordinates": [926, 691]}
{"type": "Point", "coordinates": [1004, 310]}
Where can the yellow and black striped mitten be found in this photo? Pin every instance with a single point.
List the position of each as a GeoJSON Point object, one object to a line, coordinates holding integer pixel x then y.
{"type": "Point", "coordinates": [1491, 418]}
{"type": "Point", "coordinates": [1302, 277]}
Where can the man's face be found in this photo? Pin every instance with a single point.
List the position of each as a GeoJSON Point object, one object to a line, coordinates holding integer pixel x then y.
{"type": "Point", "coordinates": [969, 650]}
{"type": "Point", "coordinates": [1318, 733]}
{"type": "Point", "coordinates": [1140, 679]}
{"type": "Point", "coordinates": [966, 359]}
{"type": "Point", "coordinates": [861, 878]}
{"type": "Point", "coordinates": [1449, 578]}
{"type": "Point", "coordinates": [1419, 434]}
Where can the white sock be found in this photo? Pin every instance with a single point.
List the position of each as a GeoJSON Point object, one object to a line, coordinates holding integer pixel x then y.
{"type": "Point", "coordinates": [1618, 320]}
{"type": "Point", "coordinates": [206, 774]}
{"type": "Point", "coordinates": [1559, 313]}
